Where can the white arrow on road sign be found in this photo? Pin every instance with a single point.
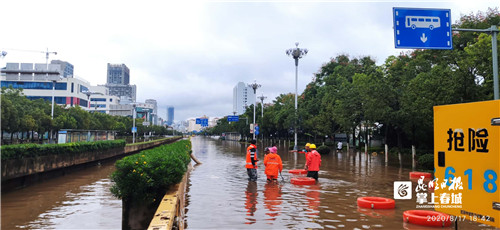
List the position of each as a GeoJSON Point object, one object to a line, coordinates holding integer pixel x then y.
{"type": "Point", "coordinates": [423, 38]}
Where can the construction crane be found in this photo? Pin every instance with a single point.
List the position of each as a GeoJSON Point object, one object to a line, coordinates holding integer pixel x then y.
{"type": "Point", "coordinates": [47, 53]}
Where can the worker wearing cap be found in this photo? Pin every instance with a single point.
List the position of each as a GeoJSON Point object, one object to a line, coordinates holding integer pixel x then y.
{"type": "Point", "coordinates": [266, 151]}
{"type": "Point", "coordinates": [313, 162]}
{"type": "Point", "coordinates": [251, 161]}
{"type": "Point", "coordinates": [304, 151]}
{"type": "Point", "coordinates": [273, 164]}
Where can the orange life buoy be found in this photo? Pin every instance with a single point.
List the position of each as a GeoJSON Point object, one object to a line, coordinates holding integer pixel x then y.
{"type": "Point", "coordinates": [427, 218]}
{"type": "Point", "coordinates": [303, 180]}
{"type": "Point", "coordinates": [298, 171]}
{"type": "Point", "coordinates": [418, 175]}
{"type": "Point", "coordinates": [376, 202]}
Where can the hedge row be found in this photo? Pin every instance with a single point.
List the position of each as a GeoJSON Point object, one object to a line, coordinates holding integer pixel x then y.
{"type": "Point", "coordinates": [142, 177]}
{"type": "Point", "coordinates": [21, 151]}
{"type": "Point", "coordinates": [151, 141]}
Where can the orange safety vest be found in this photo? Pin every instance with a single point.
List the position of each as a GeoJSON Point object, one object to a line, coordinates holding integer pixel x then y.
{"type": "Point", "coordinates": [313, 161]}
{"type": "Point", "coordinates": [251, 152]}
{"type": "Point", "coordinates": [273, 164]}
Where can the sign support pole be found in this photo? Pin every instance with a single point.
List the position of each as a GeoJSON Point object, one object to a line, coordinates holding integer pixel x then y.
{"type": "Point", "coordinates": [494, 33]}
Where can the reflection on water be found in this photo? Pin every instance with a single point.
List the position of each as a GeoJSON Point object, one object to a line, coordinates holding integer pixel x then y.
{"type": "Point", "coordinates": [251, 201]}
{"type": "Point", "coordinates": [272, 199]}
{"type": "Point", "coordinates": [220, 196]}
{"type": "Point", "coordinates": [80, 200]}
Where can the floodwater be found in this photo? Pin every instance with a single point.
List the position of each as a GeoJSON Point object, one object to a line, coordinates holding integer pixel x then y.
{"type": "Point", "coordinates": [79, 200]}
{"type": "Point", "coordinates": [219, 195]}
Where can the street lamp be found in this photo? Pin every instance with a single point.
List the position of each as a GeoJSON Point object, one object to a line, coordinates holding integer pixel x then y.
{"type": "Point", "coordinates": [254, 86]}
{"type": "Point", "coordinates": [88, 93]}
{"type": "Point", "coordinates": [262, 97]}
{"type": "Point", "coordinates": [54, 80]}
{"type": "Point", "coordinates": [296, 54]}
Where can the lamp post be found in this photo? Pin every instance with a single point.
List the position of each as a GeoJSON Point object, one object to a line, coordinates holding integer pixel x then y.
{"type": "Point", "coordinates": [54, 80]}
{"type": "Point", "coordinates": [262, 97]}
{"type": "Point", "coordinates": [254, 86]}
{"type": "Point", "coordinates": [88, 93]}
{"type": "Point", "coordinates": [296, 53]}
{"type": "Point", "coordinates": [133, 123]}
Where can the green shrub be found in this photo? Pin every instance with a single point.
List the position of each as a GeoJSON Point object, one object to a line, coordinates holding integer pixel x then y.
{"type": "Point", "coordinates": [35, 150]}
{"type": "Point", "coordinates": [142, 177]}
{"type": "Point", "coordinates": [151, 141]}
{"type": "Point", "coordinates": [426, 161]}
{"type": "Point", "coordinates": [323, 150]}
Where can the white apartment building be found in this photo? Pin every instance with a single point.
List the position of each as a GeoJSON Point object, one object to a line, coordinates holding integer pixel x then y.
{"type": "Point", "coordinates": [100, 100]}
{"type": "Point", "coordinates": [243, 96]}
{"type": "Point", "coordinates": [192, 126]}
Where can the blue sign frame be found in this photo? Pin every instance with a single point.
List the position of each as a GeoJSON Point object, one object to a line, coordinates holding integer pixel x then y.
{"type": "Point", "coordinates": [417, 28]}
{"type": "Point", "coordinates": [202, 121]}
{"type": "Point", "coordinates": [233, 118]}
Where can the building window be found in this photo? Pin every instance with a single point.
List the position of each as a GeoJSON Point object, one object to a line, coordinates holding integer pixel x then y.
{"type": "Point", "coordinates": [83, 103]}
{"type": "Point", "coordinates": [83, 89]}
{"type": "Point", "coordinates": [33, 85]}
{"type": "Point", "coordinates": [57, 100]}
{"type": "Point", "coordinates": [98, 105]}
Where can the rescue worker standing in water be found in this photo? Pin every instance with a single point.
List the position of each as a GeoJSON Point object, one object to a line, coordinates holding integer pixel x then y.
{"type": "Point", "coordinates": [273, 164]}
{"type": "Point", "coordinates": [251, 161]}
{"type": "Point", "coordinates": [304, 151]}
{"type": "Point", "coordinates": [313, 162]}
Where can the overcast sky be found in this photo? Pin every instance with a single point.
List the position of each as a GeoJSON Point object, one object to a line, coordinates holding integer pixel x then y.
{"type": "Point", "coordinates": [190, 54]}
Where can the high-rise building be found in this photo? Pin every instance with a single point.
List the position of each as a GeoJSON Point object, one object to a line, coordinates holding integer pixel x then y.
{"type": "Point", "coordinates": [170, 115]}
{"type": "Point", "coordinates": [118, 81]}
{"type": "Point", "coordinates": [118, 74]}
{"type": "Point", "coordinates": [243, 97]}
{"type": "Point", "coordinates": [154, 115]}
{"type": "Point", "coordinates": [67, 68]}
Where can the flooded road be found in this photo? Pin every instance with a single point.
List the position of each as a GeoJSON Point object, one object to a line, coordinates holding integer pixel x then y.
{"type": "Point", "coordinates": [79, 200]}
{"type": "Point", "coordinates": [220, 197]}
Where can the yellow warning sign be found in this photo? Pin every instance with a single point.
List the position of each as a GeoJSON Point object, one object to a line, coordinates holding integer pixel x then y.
{"type": "Point", "coordinates": [466, 159]}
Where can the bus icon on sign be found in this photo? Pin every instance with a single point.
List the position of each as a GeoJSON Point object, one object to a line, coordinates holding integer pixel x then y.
{"type": "Point", "coordinates": [422, 22]}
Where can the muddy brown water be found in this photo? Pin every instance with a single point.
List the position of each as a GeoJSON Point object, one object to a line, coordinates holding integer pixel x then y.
{"type": "Point", "coordinates": [219, 195]}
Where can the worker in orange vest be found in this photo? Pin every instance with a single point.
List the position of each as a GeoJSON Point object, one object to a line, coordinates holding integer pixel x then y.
{"type": "Point", "coordinates": [251, 163]}
{"type": "Point", "coordinates": [313, 162]}
{"type": "Point", "coordinates": [273, 164]}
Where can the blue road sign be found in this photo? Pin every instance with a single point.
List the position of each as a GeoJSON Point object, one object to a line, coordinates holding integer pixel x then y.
{"type": "Point", "coordinates": [204, 122]}
{"type": "Point", "coordinates": [233, 118]}
{"type": "Point", "coordinates": [134, 129]}
{"type": "Point", "coordinates": [422, 28]}
{"type": "Point", "coordinates": [257, 130]}
{"type": "Point", "coordinates": [198, 121]}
